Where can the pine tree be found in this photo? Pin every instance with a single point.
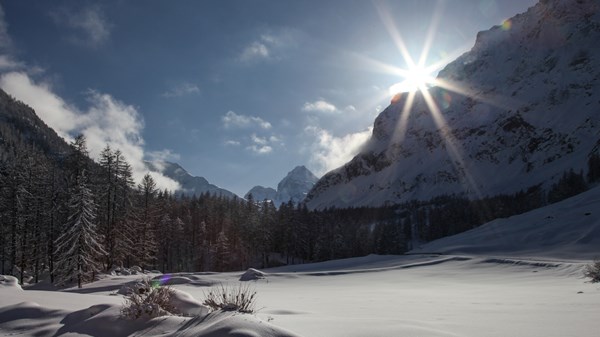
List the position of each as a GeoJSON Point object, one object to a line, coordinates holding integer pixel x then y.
{"type": "Point", "coordinates": [78, 249]}
{"type": "Point", "coordinates": [222, 252]}
{"type": "Point", "coordinates": [106, 216]}
{"type": "Point", "coordinates": [126, 214]}
{"type": "Point", "coordinates": [145, 243]}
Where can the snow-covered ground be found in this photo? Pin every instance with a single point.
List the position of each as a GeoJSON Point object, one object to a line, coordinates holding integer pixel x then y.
{"type": "Point", "coordinates": [520, 276]}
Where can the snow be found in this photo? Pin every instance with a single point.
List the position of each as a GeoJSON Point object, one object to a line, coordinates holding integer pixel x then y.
{"type": "Point", "coordinates": [569, 229]}
{"type": "Point", "coordinates": [512, 277]}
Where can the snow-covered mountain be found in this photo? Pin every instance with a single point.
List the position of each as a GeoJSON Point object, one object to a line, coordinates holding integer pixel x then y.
{"type": "Point", "coordinates": [190, 185]}
{"type": "Point", "coordinates": [260, 193]}
{"type": "Point", "coordinates": [294, 186]}
{"type": "Point", "coordinates": [524, 111]}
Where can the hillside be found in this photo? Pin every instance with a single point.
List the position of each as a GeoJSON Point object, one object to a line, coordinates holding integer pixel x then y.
{"type": "Point", "coordinates": [569, 229]}
{"type": "Point", "coordinates": [517, 110]}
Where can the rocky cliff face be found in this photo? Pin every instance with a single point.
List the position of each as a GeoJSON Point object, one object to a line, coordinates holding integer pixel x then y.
{"type": "Point", "coordinates": [517, 110]}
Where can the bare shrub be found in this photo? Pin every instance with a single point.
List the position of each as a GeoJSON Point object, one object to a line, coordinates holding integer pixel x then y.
{"type": "Point", "coordinates": [148, 299]}
{"type": "Point", "coordinates": [240, 298]}
{"type": "Point", "coordinates": [592, 271]}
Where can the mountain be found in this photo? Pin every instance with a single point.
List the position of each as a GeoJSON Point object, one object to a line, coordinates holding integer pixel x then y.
{"type": "Point", "coordinates": [190, 185]}
{"type": "Point", "coordinates": [20, 128]}
{"type": "Point", "coordinates": [294, 186]}
{"type": "Point", "coordinates": [260, 193]}
{"type": "Point", "coordinates": [518, 110]}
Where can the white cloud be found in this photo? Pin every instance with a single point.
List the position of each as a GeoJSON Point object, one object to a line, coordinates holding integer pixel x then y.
{"type": "Point", "coordinates": [263, 144]}
{"type": "Point", "coordinates": [106, 121]}
{"type": "Point", "coordinates": [260, 149]}
{"type": "Point", "coordinates": [232, 143]}
{"type": "Point", "coordinates": [59, 115]}
{"type": "Point", "coordinates": [330, 152]}
{"type": "Point", "coordinates": [258, 140]}
{"type": "Point", "coordinates": [181, 89]}
{"type": "Point", "coordinates": [256, 50]}
{"type": "Point", "coordinates": [350, 108]}
{"type": "Point", "coordinates": [270, 46]}
{"type": "Point", "coordinates": [319, 106]}
{"type": "Point", "coordinates": [233, 120]}
{"type": "Point", "coordinates": [8, 63]}
{"type": "Point", "coordinates": [163, 155]}
{"type": "Point", "coordinates": [88, 25]}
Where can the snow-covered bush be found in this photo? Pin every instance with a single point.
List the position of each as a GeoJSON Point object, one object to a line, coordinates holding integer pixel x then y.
{"type": "Point", "coordinates": [592, 271]}
{"type": "Point", "coordinates": [240, 298]}
{"type": "Point", "coordinates": [148, 299]}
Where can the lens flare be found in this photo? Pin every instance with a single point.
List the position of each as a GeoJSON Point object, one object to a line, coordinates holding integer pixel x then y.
{"type": "Point", "coordinates": [417, 80]}
{"type": "Point", "coordinates": [164, 279]}
{"type": "Point", "coordinates": [506, 25]}
{"type": "Point", "coordinates": [414, 79]}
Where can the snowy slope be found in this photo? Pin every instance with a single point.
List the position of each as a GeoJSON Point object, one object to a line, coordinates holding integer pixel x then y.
{"type": "Point", "coordinates": [190, 185]}
{"type": "Point", "coordinates": [294, 186]}
{"type": "Point", "coordinates": [567, 229]}
{"type": "Point", "coordinates": [371, 296]}
{"type": "Point", "coordinates": [526, 113]}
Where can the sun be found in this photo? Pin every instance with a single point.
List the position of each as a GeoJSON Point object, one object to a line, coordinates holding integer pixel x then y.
{"type": "Point", "coordinates": [415, 78]}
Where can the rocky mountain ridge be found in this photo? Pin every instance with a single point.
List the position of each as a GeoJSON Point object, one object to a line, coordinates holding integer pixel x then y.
{"type": "Point", "coordinates": [515, 111]}
{"type": "Point", "coordinates": [190, 185]}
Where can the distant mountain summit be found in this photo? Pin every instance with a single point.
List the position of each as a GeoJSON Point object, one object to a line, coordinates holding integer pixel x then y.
{"type": "Point", "coordinates": [294, 187]}
{"type": "Point", "coordinates": [527, 111]}
{"type": "Point", "coordinates": [260, 193]}
{"type": "Point", "coordinates": [190, 185]}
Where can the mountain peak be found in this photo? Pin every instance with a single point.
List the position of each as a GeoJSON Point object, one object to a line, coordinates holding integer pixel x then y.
{"type": "Point", "coordinates": [190, 185]}
{"type": "Point", "coordinates": [294, 186]}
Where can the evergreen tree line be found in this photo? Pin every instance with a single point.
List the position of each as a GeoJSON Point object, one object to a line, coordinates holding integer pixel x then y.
{"type": "Point", "coordinates": [66, 218]}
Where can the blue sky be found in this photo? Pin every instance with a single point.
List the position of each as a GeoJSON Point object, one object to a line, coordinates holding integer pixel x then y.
{"type": "Point", "coordinates": [239, 92]}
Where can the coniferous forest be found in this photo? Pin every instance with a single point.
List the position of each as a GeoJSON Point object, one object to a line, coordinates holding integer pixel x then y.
{"type": "Point", "coordinates": [66, 218]}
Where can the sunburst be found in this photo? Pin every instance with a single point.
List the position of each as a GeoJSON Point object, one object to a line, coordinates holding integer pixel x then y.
{"type": "Point", "coordinates": [418, 78]}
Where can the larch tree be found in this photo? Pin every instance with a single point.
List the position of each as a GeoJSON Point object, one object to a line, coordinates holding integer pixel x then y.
{"type": "Point", "coordinates": [78, 249]}
{"type": "Point", "coordinates": [145, 244]}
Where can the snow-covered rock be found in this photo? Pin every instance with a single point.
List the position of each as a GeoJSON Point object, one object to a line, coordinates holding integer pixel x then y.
{"type": "Point", "coordinates": [10, 282]}
{"type": "Point", "coordinates": [186, 305]}
{"type": "Point", "coordinates": [524, 112]}
{"type": "Point", "coordinates": [252, 274]}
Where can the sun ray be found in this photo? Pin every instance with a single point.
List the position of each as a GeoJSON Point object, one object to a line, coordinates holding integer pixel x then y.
{"type": "Point", "coordinates": [503, 103]}
{"type": "Point", "coordinates": [449, 57]}
{"type": "Point", "coordinates": [400, 130]}
{"type": "Point", "coordinates": [454, 150]}
{"type": "Point", "coordinates": [379, 66]}
{"type": "Point", "coordinates": [435, 20]}
{"type": "Point", "coordinates": [417, 78]}
{"type": "Point", "coordinates": [390, 25]}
